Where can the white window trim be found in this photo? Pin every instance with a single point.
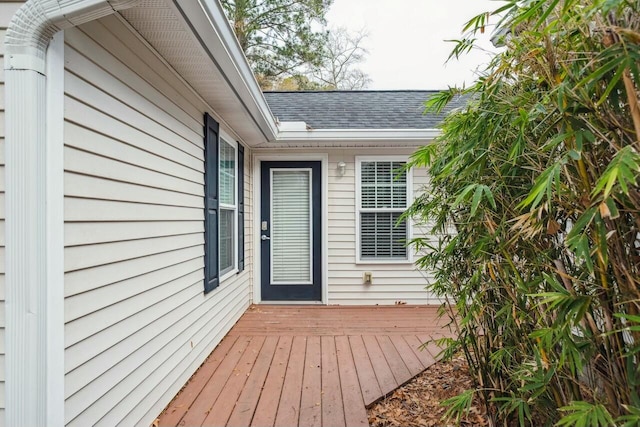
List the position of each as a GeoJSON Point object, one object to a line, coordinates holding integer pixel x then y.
{"type": "Point", "coordinates": [226, 138]}
{"type": "Point", "coordinates": [358, 209]}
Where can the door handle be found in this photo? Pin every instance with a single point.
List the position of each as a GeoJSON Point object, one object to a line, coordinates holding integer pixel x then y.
{"type": "Point", "coordinates": [263, 237]}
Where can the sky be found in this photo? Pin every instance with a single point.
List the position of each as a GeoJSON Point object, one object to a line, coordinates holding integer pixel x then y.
{"type": "Point", "coordinates": [406, 40]}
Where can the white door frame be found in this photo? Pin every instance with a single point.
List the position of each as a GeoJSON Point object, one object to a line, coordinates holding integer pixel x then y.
{"type": "Point", "coordinates": [258, 158]}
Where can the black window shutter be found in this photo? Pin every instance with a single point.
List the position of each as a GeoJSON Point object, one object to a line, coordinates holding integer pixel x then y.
{"type": "Point", "coordinates": [211, 203]}
{"type": "Point", "coordinates": [240, 207]}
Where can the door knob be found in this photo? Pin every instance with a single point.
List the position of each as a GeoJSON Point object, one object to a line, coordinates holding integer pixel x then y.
{"type": "Point", "coordinates": [263, 237]}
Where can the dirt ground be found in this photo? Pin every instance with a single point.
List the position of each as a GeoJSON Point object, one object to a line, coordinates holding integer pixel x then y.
{"type": "Point", "coordinates": [417, 403]}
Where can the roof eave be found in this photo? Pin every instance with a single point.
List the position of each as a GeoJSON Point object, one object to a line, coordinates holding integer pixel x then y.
{"type": "Point", "coordinates": [227, 54]}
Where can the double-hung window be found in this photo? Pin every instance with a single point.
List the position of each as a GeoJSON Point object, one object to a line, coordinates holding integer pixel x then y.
{"type": "Point", "coordinates": [228, 206]}
{"type": "Point", "coordinates": [383, 192]}
{"type": "Point", "coordinates": [224, 205]}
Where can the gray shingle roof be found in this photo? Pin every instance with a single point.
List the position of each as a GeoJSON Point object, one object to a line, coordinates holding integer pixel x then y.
{"type": "Point", "coordinates": [397, 109]}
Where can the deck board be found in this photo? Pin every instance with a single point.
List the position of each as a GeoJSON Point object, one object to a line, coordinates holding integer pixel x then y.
{"type": "Point", "coordinates": [185, 399]}
{"type": "Point", "coordinates": [311, 366]}
{"type": "Point", "coordinates": [332, 407]}
{"type": "Point", "coordinates": [248, 400]}
{"type": "Point", "coordinates": [409, 358]}
{"type": "Point", "coordinates": [311, 399]}
{"type": "Point", "coordinates": [289, 407]}
{"type": "Point", "coordinates": [356, 415]}
{"type": "Point", "coordinates": [221, 410]}
{"type": "Point", "coordinates": [381, 368]}
{"type": "Point", "coordinates": [421, 353]}
{"type": "Point", "coordinates": [265, 414]}
{"type": "Point", "coordinates": [366, 375]}
{"type": "Point", "coordinates": [209, 394]}
{"type": "Point", "coordinates": [394, 360]}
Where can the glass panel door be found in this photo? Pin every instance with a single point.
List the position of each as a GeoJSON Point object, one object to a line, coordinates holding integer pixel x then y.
{"type": "Point", "coordinates": [291, 238]}
{"type": "Point", "coordinates": [290, 231]}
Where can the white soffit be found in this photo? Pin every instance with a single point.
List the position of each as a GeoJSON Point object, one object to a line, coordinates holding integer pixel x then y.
{"type": "Point", "coordinates": [184, 33]}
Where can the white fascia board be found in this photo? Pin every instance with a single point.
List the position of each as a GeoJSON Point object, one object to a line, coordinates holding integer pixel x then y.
{"type": "Point", "coordinates": [351, 136]}
{"type": "Point", "coordinates": [210, 25]}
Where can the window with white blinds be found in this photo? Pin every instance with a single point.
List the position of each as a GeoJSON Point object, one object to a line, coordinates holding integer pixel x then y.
{"type": "Point", "coordinates": [382, 198]}
{"type": "Point", "coordinates": [228, 206]}
{"type": "Point", "coordinates": [291, 238]}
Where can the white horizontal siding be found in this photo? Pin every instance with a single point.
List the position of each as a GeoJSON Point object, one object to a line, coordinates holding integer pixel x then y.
{"type": "Point", "coordinates": [137, 322]}
{"type": "Point", "coordinates": [391, 282]}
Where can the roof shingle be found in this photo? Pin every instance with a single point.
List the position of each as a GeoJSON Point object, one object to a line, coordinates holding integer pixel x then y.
{"type": "Point", "coordinates": [391, 109]}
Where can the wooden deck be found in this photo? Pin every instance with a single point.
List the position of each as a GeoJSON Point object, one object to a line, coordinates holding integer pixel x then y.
{"type": "Point", "coordinates": [306, 366]}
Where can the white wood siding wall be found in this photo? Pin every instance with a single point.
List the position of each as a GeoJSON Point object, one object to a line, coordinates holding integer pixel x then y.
{"type": "Point", "coordinates": [391, 282]}
{"type": "Point", "coordinates": [137, 323]}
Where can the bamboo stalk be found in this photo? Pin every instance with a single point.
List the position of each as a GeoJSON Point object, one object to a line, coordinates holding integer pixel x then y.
{"type": "Point", "coordinates": [632, 98]}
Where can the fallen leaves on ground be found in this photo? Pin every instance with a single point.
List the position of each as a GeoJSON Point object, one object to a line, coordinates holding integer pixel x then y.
{"type": "Point", "coordinates": [417, 403]}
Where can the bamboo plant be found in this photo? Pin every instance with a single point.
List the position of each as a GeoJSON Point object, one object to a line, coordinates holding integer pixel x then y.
{"type": "Point", "coordinates": [535, 204]}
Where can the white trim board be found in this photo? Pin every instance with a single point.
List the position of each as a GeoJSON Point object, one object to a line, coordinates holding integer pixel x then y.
{"type": "Point", "coordinates": [55, 230]}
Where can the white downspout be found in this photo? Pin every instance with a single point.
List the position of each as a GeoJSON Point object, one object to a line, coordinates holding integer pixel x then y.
{"type": "Point", "coordinates": [34, 325]}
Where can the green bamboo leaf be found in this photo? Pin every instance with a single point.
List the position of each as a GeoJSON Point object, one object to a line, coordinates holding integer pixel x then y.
{"type": "Point", "coordinates": [546, 13]}
{"type": "Point", "coordinates": [581, 224]}
{"type": "Point", "coordinates": [622, 170]}
{"type": "Point", "coordinates": [626, 316]}
{"type": "Point", "coordinates": [611, 179]}
{"type": "Point", "coordinates": [487, 192]}
{"type": "Point", "coordinates": [528, 13]}
{"type": "Point", "coordinates": [599, 73]}
{"type": "Point", "coordinates": [615, 79]}
{"type": "Point", "coordinates": [582, 413]}
{"type": "Point", "coordinates": [477, 196]}
{"type": "Point", "coordinates": [613, 209]}
{"type": "Point", "coordinates": [463, 194]}
{"type": "Point", "coordinates": [543, 186]}
{"type": "Point", "coordinates": [458, 406]}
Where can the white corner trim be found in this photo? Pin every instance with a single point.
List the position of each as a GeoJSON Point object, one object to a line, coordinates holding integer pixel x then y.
{"type": "Point", "coordinates": [55, 230]}
{"type": "Point", "coordinates": [34, 389]}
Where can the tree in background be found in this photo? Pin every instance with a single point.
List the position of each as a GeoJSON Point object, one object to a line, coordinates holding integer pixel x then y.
{"type": "Point", "coordinates": [338, 68]}
{"type": "Point", "coordinates": [278, 36]}
{"type": "Point", "coordinates": [289, 48]}
{"type": "Point", "coordinates": [534, 202]}
{"type": "Point", "coordinates": [299, 82]}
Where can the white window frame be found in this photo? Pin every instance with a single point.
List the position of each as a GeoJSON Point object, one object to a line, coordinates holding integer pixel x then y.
{"type": "Point", "coordinates": [359, 209]}
{"type": "Point", "coordinates": [225, 138]}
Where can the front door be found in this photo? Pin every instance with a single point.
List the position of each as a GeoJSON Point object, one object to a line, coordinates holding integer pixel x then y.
{"type": "Point", "coordinates": [290, 231]}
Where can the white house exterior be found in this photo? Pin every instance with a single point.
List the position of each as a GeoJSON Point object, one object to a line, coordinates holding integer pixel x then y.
{"type": "Point", "coordinates": [139, 153]}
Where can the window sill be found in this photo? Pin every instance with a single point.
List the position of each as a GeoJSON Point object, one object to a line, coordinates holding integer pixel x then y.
{"type": "Point", "coordinates": [383, 262]}
{"type": "Point", "coordinates": [229, 274]}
